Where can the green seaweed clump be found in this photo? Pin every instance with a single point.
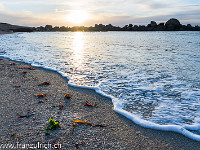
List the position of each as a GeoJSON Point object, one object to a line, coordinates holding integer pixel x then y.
{"type": "Point", "coordinates": [53, 125]}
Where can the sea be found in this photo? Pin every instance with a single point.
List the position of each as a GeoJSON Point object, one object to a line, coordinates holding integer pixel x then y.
{"type": "Point", "coordinates": [153, 78]}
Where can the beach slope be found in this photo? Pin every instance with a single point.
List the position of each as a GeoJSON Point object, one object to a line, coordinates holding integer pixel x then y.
{"type": "Point", "coordinates": [24, 116]}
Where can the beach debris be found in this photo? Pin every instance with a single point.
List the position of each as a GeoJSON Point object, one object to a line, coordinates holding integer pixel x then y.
{"type": "Point", "coordinates": [40, 95]}
{"type": "Point", "coordinates": [35, 78]}
{"type": "Point", "coordinates": [24, 72]}
{"type": "Point", "coordinates": [30, 68]}
{"type": "Point", "coordinates": [14, 135]}
{"type": "Point", "coordinates": [53, 125]}
{"type": "Point", "coordinates": [44, 83]}
{"type": "Point", "coordinates": [61, 106]}
{"type": "Point", "coordinates": [68, 96]}
{"type": "Point", "coordinates": [85, 123]}
{"type": "Point", "coordinates": [11, 64]}
{"type": "Point", "coordinates": [1, 59]}
{"type": "Point", "coordinates": [90, 105]}
{"type": "Point", "coordinates": [17, 86]}
{"type": "Point", "coordinates": [40, 101]}
{"type": "Point", "coordinates": [82, 122]}
{"type": "Point", "coordinates": [25, 116]}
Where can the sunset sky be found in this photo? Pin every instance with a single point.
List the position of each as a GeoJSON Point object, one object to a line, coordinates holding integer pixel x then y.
{"type": "Point", "coordinates": [89, 12]}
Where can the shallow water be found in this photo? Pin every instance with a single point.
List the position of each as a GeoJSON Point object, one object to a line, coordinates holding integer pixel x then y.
{"type": "Point", "coordinates": [152, 75]}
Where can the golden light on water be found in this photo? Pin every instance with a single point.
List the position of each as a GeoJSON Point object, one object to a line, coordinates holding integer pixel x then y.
{"type": "Point", "coordinates": [77, 17]}
{"type": "Point", "coordinates": [78, 48]}
{"type": "Point", "coordinates": [78, 42]}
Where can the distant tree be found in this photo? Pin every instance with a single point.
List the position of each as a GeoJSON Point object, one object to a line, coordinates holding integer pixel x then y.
{"type": "Point", "coordinates": [91, 28]}
{"type": "Point", "coordinates": [110, 25]}
{"type": "Point", "coordinates": [189, 25]}
{"type": "Point", "coordinates": [125, 27]}
{"type": "Point", "coordinates": [48, 27]}
{"type": "Point", "coordinates": [196, 28]}
{"type": "Point", "coordinates": [130, 25]}
{"type": "Point", "coordinates": [56, 28]}
{"type": "Point", "coordinates": [96, 25]}
{"type": "Point", "coordinates": [63, 28]}
{"type": "Point", "coordinates": [41, 28]}
{"type": "Point", "coordinates": [78, 28]}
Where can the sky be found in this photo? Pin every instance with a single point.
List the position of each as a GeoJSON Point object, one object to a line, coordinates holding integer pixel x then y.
{"type": "Point", "coordinates": [89, 12]}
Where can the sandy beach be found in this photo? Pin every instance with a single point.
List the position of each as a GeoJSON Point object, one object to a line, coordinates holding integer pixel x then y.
{"type": "Point", "coordinates": [19, 85]}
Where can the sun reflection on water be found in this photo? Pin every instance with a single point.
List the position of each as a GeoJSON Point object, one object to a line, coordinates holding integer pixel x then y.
{"type": "Point", "coordinates": [78, 47]}
{"type": "Point", "coordinates": [78, 41]}
{"type": "Point", "coordinates": [77, 57]}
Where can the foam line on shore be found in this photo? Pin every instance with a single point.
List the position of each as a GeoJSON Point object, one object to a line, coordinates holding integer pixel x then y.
{"type": "Point", "coordinates": [118, 108]}
{"type": "Point", "coordinates": [151, 125]}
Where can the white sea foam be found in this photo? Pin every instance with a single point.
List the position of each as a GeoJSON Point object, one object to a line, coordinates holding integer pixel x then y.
{"type": "Point", "coordinates": [151, 77]}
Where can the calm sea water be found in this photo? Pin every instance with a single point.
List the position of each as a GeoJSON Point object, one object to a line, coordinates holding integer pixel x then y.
{"type": "Point", "coordinates": [154, 76]}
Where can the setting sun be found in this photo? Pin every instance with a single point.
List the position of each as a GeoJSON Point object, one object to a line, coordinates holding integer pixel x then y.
{"type": "Point", "coordinates": [77, 17]}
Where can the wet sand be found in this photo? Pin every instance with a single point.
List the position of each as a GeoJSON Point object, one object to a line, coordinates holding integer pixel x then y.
{"type": "Point", "coordinates": [17, 96]}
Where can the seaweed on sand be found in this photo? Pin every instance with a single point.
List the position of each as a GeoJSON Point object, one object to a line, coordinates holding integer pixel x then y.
{"type": "Point", "coordinates": [53, 125]}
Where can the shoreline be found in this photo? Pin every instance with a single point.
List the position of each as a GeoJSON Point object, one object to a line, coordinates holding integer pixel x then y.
{"type": "Point", "coordinates": [119, 133]}
{"type": "Point", "coordinates": [183, 130]}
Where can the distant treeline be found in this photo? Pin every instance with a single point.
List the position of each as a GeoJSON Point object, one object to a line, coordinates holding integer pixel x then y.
{"type": "Point", "coordinates": [171, 25]}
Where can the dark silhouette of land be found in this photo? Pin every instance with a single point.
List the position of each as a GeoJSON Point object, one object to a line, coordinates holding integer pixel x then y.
{"type": "Point", "coordinates": [8, 28]}
{"type": "Point", "coordinates": [171, 25]}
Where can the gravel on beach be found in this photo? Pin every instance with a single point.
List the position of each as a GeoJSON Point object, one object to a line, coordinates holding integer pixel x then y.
{"type": "Point", "coordinates": [18, 97]}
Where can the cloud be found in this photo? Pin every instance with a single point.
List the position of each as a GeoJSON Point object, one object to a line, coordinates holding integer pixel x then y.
{"type": "Point", "coordinates": [46, 2]}
{"type": "Point", "coordinates": [1, 6]}
{"type": "Point", "coordinates": [150, 4]}
{"type": "Point", "coordinates": [26, 18]}
{"type": "Point", "coordinates": [118, 12]}
{"type": "Point", "coordinates": [111, 19]}
{"type": "Point", "coordinates": [59, 10]}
